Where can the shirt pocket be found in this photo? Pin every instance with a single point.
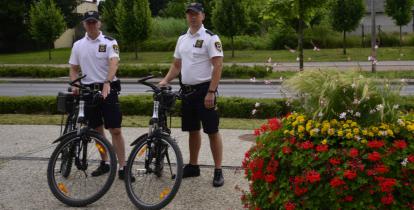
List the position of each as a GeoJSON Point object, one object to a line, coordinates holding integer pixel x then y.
{"type": "Point", "coordinates": [199, 52]}
{"type": "Point", "coordinates": [101, 55]}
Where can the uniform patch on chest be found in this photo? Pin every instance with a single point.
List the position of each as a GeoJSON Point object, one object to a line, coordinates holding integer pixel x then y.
{"type": "Point", "coordinates": [102, 48]}
{"type": "Point", "coordinates": [199, 43]}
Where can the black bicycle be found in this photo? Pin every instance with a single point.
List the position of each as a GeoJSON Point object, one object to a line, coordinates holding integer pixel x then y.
{"type": "Point", "coordinates": [79, 151]}
{"type": "Point", "coordinates": [155, 161]}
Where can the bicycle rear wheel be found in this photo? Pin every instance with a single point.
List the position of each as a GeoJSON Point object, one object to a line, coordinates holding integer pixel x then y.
{"type": "Point", "coordinates": [77, 187]}
{"type": "Point", "coordinates": [157, 167]}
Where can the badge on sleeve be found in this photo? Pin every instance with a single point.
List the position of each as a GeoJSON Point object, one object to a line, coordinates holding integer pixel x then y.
{"type": "Point", "coordinates": [102, 48]}
{"type": "Point", "coordinates": [199, 43]}
{"type": "Point", "coordinates": [218, 46]}
{"type": "Point", "coordinates": [116, 48]}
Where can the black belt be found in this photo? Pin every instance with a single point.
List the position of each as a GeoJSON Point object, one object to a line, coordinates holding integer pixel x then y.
{"type": "Point", "coordinates": [99, 86]}
{"type": "Point", "coordinates": [189, 88]}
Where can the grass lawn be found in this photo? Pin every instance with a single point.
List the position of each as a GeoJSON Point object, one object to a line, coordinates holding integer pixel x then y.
{"type": "Point", "coordinates": [127, 121]}
{"type": "Point", "coordinates": [61, 56]}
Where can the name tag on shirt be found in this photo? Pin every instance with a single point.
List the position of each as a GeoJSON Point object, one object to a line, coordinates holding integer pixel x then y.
{"type": "Point", "coordinates": [199, 43]}
{"type": "Point", "coordinates": [102, 48]}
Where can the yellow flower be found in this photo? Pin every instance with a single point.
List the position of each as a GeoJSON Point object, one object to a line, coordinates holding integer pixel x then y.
{"type": "Point", "coordinates": [354, 124]}
{"type": "Point", "coordinates": [349, 135]}
{"type": "Point", "coordinates": [410, 127]}
{"type": "Point", "coordinates": [345, 126]}
{"type": "Point", "coordinates": [364, 141]}
{"type": "Point", "coordinates": [364, 132]}
{"type": "Point", "coordinates": [300, 119]}
{"type": "Point", "coordinates": [349, 121]}
{"type": "Point", "coordinates": [301, 136]}
{"type": "Point", "coordinates": [334, 122]}
{"type": "Point", "coordinates": [331, 131]}
{"type": "Point", "coordinates": [340, 133]}
{"type": "Point", "coordinates": [390, 133]}
{"type": "Point", "coordinates": [356, 131]}
{"type": "Point", "coordinates": [292, 132]}
{"type": "Point", "coordinates": [308, 127]}
{"type": "Point", "coordinates": [301, 129]}
{"type": "Point", "coordinates": [285, 132]}
{"type": "Point", "coordinates": [324, 141]}
{"type": "Point", "coordinates": [371, 134]}
{"type": "Point", "coordinates": [295, 123]}
{"type": "Point", "coordinates": [375, 129]}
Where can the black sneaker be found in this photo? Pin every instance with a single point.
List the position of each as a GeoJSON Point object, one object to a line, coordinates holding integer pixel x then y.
{"type": "Point", "coordinates": [121, 175]}
{"type": "Point", "coordinates": [191, 171]}
{"type": "Point", "coordinates": [102, 169]}
{"type": "Point", "coordinates": [218, 180]}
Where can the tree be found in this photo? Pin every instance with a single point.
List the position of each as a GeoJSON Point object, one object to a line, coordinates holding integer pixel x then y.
{"type": "Point", "coordinates": [46, 23]}
{"type": "Point", "coordinates": [107, 9]}
{"type": "Point", "coordinates": [400, 12]}
{"type": "Point", "coordinates": [156, 6]}
{"type": "Point", "coordinates": [133, 22]}
{"type": "Point", "coordinates": [68, 8]}
{"type": "Point", "coordinates": [296, 13]}
{"type": "Point", "coordinates": [229, 19]}
{"type": "Point", "coordinates": [346, 16]}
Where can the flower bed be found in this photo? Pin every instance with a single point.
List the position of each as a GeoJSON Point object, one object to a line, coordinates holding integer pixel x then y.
{"type": "Point", "coordinates": [339, 154]}
{"type": "Point", "coordinates": [303, 164]}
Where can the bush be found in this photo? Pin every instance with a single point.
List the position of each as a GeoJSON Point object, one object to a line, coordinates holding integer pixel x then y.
{"type": "Point", "coordinates": [168, 27]}
{"type": "Point", "coordinates": [281, 37]}
{"type": "Point", "coordinates": [236, 71]}
{"type": "Point", "coordinates": [33, 71]}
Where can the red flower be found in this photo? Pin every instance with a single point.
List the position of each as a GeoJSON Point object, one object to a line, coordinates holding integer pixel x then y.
{"type": "Point", "coordinates": [300, 191]}
{"type": "Point", "coordinates": [290, 206]}
{"type": "Point", "coordinates": [292, 140]}
{"type": "Point", "coordinates": [410, 158]}
{"type": "Point", "coordinates": [375, 144]}
{"type": "Point", "coordinates": [381, 169]}
{"type": "Point", "coordinates": [353, 153]}
{"type": "Point", "coordinates": [388, 199]}
{"type": "Point", "coordinates": [299, 180]}
{"type": "Point", "coordinates": [274, 124]}
{"type": "Point", "coordinates": [286, 150]}
{"type": "Point", "coordinates": [272, 166]}
{"type": "Point", "coordinates": [348, 198]}
{"type": "Point", "coordinates": [257, 132]}
{"type": "Point", "coordinates": [374, 156]}
{"type": "Point", "coordinates": [335, 161]}
{"type": "Point", "coordinates": [270, 178]}
{"type": "Point", "coordinates": [313, 176]}
{"type": "Point", "coordinates": [307, 145]}
{"type": "Point", "coordinates": [400, 144]}
{"type": "Point", "coordinates": [336, 182]}
{"type": "Point", "coordinates": [350, 174]}
{"type": "Point", "coordinates": [322, 148]}
{"type": "Point", "coordinates": [263, 128]}
{"type": "Point", "coordinates": [386, 184]}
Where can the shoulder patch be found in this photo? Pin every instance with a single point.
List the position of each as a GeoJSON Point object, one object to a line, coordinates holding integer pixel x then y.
{"type": "Point", "coordinates": [109, 38]}
{"type": "Point", "coordinates": [210, 32]}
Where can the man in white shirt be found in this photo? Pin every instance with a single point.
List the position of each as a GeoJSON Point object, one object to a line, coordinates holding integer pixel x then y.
{"type": "Point", "coordinates": [198, 57]}
{"type": "Point", "coordinates": [98, 56]}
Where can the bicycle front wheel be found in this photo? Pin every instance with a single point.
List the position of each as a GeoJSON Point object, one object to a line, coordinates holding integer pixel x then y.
{"type": "Point", "coordinates": [157, 168]}
{"type": "Point", "coordinates": [84, 152]}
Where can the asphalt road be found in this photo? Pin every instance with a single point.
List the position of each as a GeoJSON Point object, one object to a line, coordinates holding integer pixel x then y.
{"type": "Point", "coordinates": [242, 90]}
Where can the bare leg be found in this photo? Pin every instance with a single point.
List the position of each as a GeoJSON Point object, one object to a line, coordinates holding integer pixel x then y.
{"type": "Point", "coordinates": [119, 145]}
{"type": "Point", "coordinates": [216, 147]}
{"type": "Point", "coordinates": [194, 144]}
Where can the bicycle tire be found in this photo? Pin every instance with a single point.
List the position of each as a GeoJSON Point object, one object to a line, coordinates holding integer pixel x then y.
{"type": "Point", "coordinates": [66, 140]}
{"type": "Point", "coordinates": [178, 176]}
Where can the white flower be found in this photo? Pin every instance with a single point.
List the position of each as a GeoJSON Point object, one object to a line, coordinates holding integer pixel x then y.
{"type": "Point", "coordinates": [396, 106]}
{"type": "Point", "coordinates": [316, 130]}
{"type": "Point", "coordinates": [400, 122]}
{"type": "Point", "coordinates": [379, 107]}
{"type": "Point", "coordinates": [376, 46]}
{"type": "Point", "coordinates": [372, 111]}
{"type": "Point", "coordinates": [350, 111]}
{"type": "Point", "coordinates": [257, 104]}
{"type": "Point", "coordinates": [253, 79]}
{"type": "Point", "coordinates": [281, 78]}
{"type": "Point", "coordinates": [357, 114]}
{"type": "Point", "coordinates": [356, 101]}
{"type": "Point", "coordinates": [342, 115]}
{"type": "Point", "coordinates": [404, 162]}
{"type": "Point", "coordinates": [375, 61]}
{"type": "Point", "coordinates": [384, 133]}
{"type": "Point", "coordinates": [269, 60]}
{"type": "Point", "coordinates": [320, 114]}
{"type": "Point", "coordinates": [254, 111]}
{"type": "Point", "coordinates": [297, 59]}
{"type": "Point", "coordinates": [369, 58]}
{"type": "Point", "coordinates": [357, 138]}
{"type": "Point", "coordinates": [353, 85]}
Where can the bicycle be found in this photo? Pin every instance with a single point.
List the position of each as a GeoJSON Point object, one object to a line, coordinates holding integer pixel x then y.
{"type": "Point", "coordinates": [155, 160]}
{"type": "Point", "coordinates": [80, 148]}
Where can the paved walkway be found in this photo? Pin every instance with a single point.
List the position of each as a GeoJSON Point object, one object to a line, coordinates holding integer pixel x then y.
{"type": "Point", "coordinates": [25, 150]}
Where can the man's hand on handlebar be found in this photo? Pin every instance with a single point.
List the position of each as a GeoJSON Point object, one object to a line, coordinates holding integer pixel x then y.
{"type": "Point", "coordinates": [163, 83]}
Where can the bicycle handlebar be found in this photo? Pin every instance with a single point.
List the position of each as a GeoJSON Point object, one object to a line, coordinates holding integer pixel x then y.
{"type": "Point", "coordinates": [77, 80]}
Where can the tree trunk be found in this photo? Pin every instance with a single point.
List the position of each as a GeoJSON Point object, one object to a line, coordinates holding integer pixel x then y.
{"type": "Point", "coordinates": [373, 39]}
{"type": "Point", "coordinates": [400, 38]}
{"type": "Point", "coordinates": [344, 43]}
{"type": "Point", "coordinates": [136, 50]}
{"type": "Point", "coordinates": [50, 50]}
{"type": "Point", "coordinates": [300, 36]}
{"type": "Point", "coordinates": [232, 46]}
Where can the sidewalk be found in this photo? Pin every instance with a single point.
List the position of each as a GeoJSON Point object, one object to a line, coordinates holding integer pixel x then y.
{"type": "Point", "coordinates": [26, 148]}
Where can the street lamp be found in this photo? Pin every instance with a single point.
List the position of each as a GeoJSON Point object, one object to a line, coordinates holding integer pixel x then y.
{"type": "Point", "coordinates": [373, 39]}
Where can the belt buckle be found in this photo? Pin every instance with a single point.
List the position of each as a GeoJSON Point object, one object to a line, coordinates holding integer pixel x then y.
{"type": "Point", "coordinates": [96, 86]}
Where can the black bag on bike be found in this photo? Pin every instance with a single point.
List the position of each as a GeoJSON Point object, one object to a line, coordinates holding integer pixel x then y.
{"type": "Point", "coordinates": [65, 102]}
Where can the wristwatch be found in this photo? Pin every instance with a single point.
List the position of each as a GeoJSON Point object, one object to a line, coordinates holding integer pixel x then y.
{"type": "Point", "coordinates": [211, 91]}
{"type": "Point", "coordinates": [108, 81]}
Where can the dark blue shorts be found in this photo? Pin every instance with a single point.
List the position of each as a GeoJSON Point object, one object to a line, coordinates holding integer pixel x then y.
{"type": "Point", "coordinates": [194, 112]}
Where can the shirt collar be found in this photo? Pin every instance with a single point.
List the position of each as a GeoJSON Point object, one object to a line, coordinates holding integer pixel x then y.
{"type": "Point", "coordinates": [198, 33]}
{"type": "Point", "coordinates": [99, 38]}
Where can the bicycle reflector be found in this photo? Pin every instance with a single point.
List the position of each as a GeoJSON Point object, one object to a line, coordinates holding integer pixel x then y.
{"type": "Point", "coordinates": [62, 188]}
{"type": "Point", "coordinates": [164, 193]}
{"type": "Point", "coordinates": [142, 151]}
{"type": "Point", "coordinates": [100, 148]}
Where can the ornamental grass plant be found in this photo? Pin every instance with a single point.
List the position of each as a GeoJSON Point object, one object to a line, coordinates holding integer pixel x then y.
{"type": "Point", "coordinates": [330, 157]}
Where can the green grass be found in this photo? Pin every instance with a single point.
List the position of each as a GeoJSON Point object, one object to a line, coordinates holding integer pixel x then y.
{"type": "Point", "coordinates": [61, 56]}
{"type": "Point", "coordinates": [380, 74]}
{"type": "Point", "coordinates": [128, 121]}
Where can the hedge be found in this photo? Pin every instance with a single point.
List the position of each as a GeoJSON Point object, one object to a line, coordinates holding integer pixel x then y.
{"type": "Point", "coordinates": [231, 107]}
{"type": "Point", "coordinates": [233, 71]}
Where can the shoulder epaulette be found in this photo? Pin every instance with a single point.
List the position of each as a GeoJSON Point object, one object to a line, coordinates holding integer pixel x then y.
{"type": "Point", "coordinates": [109, 38]}
{"type": "Point", "coordinates": [183, 33]}
{"type": "Point", "coordinates": [210, 32]}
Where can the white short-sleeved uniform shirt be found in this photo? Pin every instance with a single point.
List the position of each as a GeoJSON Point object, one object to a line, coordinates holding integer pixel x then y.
{"type": "Point", "coordinates": [93, 57]}
{"type": "Point", "coordinates": [195, 52]}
